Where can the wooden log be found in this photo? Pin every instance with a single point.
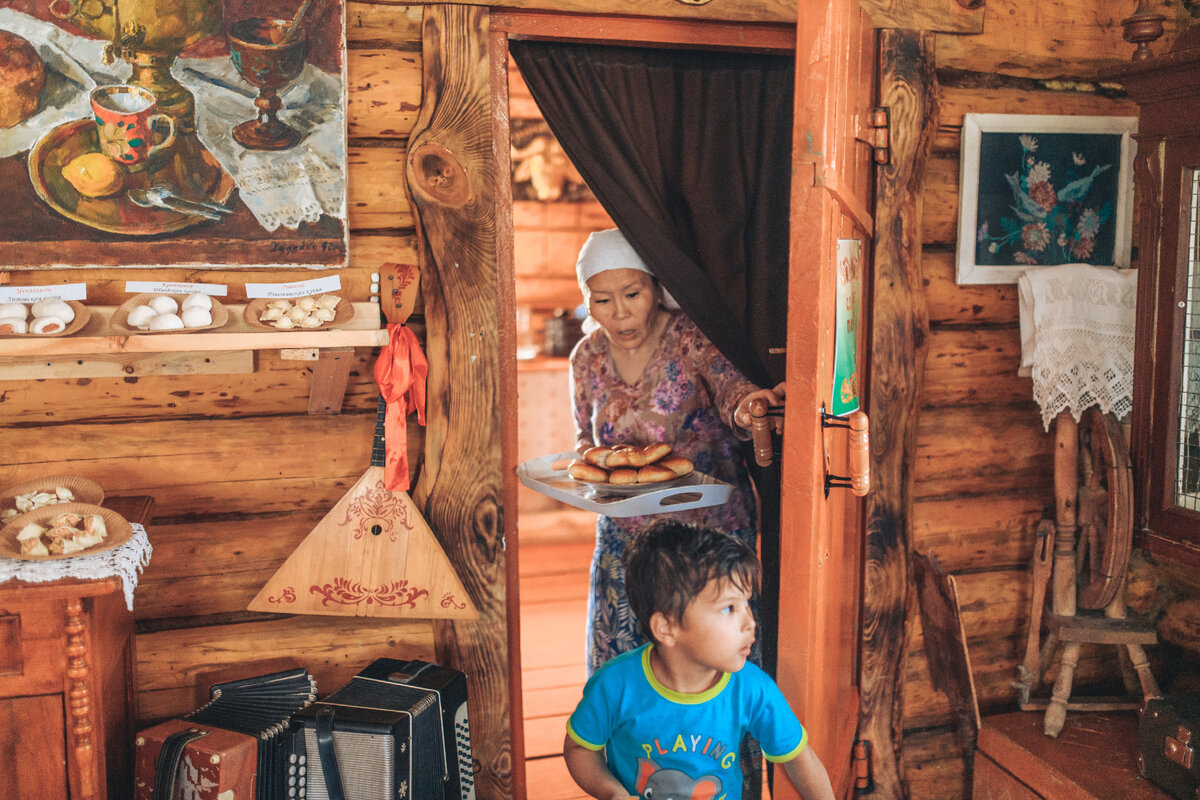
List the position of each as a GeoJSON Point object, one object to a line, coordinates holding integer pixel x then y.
{"type": "Point", "coordinates": [989, 531]}
{"type": "Point", "coordinates": [1008, 451]}
{"type": "Point", "coordinates": [731, 11]}
{"type": "Point", "coordinates": [934, 765]}
{"type": "Point", "coordinates": [972, 304]}
{"type": "Point", "coordinates": [384, 25]}
{"type": "Point", "coordinates": [908, 87]}
{"type": "Point", "coordinates": [450, 171]}
{"type": "Point", "coordinates": [333, 649]}
{"type": "Point", "coordinates": [1018, 39]}
{"type": "Point", "coordinates": [383, 93]}
{"type": "Point", "coordinates": [375, 195]}
{"type": "Point", "coordinates": [974, 366]}
{"type": "Point", "coordinates": [943, 16]}
{"type": "Point", "coordinates": [940, 218]}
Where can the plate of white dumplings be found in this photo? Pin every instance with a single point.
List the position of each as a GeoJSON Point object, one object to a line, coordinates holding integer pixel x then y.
{"type": "Point", "coordinates": [169, 313]}
{"type": "Point", "coordinates": [308, 313]}
{"type": "Point", "coordinates": [43, 318]}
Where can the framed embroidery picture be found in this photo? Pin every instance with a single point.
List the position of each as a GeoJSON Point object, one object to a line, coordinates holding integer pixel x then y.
{"type": "Point", "coordinates": [1043, 190]}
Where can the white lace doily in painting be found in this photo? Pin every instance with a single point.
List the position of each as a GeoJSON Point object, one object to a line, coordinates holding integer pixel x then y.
{"type": "Point", "coordinates": [1077, 324]}
{"type": "Point", "coordinates": [126, 562]}
{"type": "Point", "coordinates": [280, 187]}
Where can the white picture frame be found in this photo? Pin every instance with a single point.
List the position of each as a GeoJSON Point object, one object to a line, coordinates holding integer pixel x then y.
{"type": "Point", "coordinates": [1054, 189]}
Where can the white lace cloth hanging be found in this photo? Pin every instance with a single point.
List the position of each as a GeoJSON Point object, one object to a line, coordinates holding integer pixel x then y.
{"type": "Point", "coordinates": [1077, 324]}
{"type": "Point", "coordinates": [126, 562]}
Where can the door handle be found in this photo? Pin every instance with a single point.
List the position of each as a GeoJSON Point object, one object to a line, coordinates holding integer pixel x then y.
{"type": "Point", "coordinates": [760, 430]}
{"type": "Point", "coordinates": [859, 444]}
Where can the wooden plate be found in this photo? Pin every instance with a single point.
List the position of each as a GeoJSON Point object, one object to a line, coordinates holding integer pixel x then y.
{"type": "Point", "coordinates": [120, 317]}
{"type": "Point", "coordinates": [85, 490]}
{"type": "Point", "coordinates": [119, 530]}
{"type": "Point", "coordinates": [82, 315]}
{"type": "Point", "coordinates": [254, 309]}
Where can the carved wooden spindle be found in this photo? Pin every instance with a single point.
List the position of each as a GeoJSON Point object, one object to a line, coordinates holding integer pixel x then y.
{"type": "Point", "coordinates": [1143, 27]}
{"type": "Point", "coordinates": [760, 431]}
{"type": "Point", "coordinates": [80, 701]}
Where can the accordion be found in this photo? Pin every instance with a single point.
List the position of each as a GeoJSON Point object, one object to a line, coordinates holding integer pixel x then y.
{"type": "Point", "coordinates": [238, 745]}
{"type": "Point", "coordinates": [395, 731]}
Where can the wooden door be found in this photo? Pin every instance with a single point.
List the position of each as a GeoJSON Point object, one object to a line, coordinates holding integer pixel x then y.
{"type": "Point", "coordinates": [821, 536]}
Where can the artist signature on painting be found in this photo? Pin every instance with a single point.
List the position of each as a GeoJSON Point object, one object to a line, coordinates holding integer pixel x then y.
{"type": "Point", "coordinates": [290, 248]}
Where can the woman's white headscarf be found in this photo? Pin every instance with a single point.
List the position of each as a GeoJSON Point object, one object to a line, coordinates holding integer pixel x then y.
{"type": "Point", "coordinates": [605, 250]}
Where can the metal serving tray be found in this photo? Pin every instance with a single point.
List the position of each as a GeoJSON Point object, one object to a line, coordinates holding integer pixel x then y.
{"type": "Point", "coordinates": [548, 475]}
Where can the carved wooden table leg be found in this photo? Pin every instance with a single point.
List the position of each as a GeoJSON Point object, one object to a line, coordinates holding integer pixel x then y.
{"type": "Point", "coordinates": [1056, 712]}
{"type": "Point", "coordinates": [80, 700]}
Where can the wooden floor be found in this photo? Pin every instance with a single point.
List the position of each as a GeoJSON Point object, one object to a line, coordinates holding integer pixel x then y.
{"type": "Point", "coordinates": [555, 553]}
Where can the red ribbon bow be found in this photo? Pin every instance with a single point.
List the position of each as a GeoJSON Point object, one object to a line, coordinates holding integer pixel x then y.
{"type": "Point", "coordinates": [400, 371]}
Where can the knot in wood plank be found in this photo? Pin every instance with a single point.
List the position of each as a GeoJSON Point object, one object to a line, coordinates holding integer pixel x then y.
{"type": "Point", "coordinates": [438, 172]}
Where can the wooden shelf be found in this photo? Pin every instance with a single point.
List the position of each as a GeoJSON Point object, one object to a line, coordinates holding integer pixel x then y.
{"type": "Point", "coordinates": [98, 337]}
{"type": "Point", "coordinates": [98, 350]}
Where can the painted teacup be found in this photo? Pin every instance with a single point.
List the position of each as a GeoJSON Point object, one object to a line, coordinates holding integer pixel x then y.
{"type": "Point", "coordinates": [126, 118]}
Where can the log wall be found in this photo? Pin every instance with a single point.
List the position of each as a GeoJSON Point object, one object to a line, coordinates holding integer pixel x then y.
{"type": "Point", "coordinates": [982, 473]}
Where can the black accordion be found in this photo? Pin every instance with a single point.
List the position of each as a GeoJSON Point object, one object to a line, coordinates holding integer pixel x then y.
{"type": "Point", "coordinates": [396, 731]}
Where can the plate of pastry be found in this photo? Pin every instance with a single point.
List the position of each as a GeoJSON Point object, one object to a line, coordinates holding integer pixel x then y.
{"type": "Point", "coordinates": [308, 313]}
{"type": "Point", "coordinates": [62, 531]}
{"type": "Point", "coordinates": [43, 318]}
{"type": "Point", "coordinates": [21, 498]}
{"type": "Point", "coordinates": [166, 313]}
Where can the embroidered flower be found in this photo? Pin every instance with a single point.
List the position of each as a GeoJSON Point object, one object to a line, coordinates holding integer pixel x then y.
{"type": "Point", "coordinates": [1044, 195]}
{"type": "Point", "coordinates": [1028, 142]}
{"type": "Point", "coordinates": [1079, 159]}
{"type": "Point", "coordinates": [1035, 236]}
{"type": "Point", "coordinates": [1038, 173]}
{"type": "Point", "coordinates": [1024, 258]}
{"type": "Point", "coordinates": [1089, 223]}
{"type": "Point", "coordinates": [1083, 248]}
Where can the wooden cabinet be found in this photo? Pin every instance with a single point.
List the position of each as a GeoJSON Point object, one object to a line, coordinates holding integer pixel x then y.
{"type": "Point", "coordinates": [1166, 427]}
{"type": "Point", "coordinates": [1094, 758]}
{"type": "Point", "coordinates": [67, 701]}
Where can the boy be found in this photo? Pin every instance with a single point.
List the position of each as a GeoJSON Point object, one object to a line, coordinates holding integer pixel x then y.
{"type": "Point", "coordinates": [665, 720]}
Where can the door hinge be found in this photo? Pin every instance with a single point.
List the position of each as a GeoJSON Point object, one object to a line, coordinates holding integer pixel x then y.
{"type": "Point", "coordinates": [875, 134]}
{"type": "Point", "coordinates": [860, 767]}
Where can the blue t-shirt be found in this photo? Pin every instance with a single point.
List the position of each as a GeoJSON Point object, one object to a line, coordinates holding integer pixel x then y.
{"type": "Point", "coordinates": [673, 743]}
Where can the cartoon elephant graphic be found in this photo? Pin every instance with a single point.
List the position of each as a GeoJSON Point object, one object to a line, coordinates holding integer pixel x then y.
{"type": "Point", "coordinates": [655, 783]}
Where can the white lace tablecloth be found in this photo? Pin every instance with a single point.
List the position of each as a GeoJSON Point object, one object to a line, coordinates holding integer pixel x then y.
{"type": "Point", "coordinates": [126, 561]}
{"type": "Point", "coordinates": [1077, 323]}
{"type": "Point", "coordinates": [283, 187]}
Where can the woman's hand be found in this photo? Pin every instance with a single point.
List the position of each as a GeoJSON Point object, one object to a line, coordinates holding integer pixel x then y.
{"type": "Point", "coordinates": [773, 397]}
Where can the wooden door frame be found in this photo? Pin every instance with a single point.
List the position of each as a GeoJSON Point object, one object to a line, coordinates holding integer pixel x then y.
{"type": "Point", "coordinates": [602, 29]}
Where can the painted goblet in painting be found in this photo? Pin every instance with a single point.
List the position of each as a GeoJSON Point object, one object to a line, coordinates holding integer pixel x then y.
{"type": "Point", "coordinates": [269, 59]}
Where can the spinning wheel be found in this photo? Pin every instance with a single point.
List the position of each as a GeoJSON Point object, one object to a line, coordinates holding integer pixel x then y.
{"type": "Point", "coordinates": [1105, 509]}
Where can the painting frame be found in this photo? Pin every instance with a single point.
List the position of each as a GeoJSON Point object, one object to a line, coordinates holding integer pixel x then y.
{"type": "Point", "coordinates": [1086, 218]}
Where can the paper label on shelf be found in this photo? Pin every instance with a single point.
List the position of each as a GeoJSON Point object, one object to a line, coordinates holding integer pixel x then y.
{"type": "Point", "coordinates": [331, 283]}
{"type": "Point", "coordinates": [31, 294]}
{"type": "Point", "coordinates": [167, 287]}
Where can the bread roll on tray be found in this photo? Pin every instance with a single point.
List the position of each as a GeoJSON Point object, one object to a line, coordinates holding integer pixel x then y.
{"type": "Point", "coordinates": [583, 471]}
{"type": "Point", "coordinates": [625, 464]}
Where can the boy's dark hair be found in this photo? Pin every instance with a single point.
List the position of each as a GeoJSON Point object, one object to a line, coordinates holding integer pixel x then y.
{"type": "Point", "coordinates": [669, 565]}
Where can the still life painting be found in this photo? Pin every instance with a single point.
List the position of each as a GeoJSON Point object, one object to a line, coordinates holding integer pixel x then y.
{"type": "Point", "coordinates": [195, 133]}
{"type": "Point", "coordinates": [1043, 190]}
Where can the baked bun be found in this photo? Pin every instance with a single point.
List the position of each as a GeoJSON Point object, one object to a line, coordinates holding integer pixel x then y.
{"type": "Point", "coordinates": [679, 465]}
{"type": "Point", "coordinates": [597, 456]}
{"type": "Point", "coordinates": [623, 476]}
{"type": "Point", "coordinates": [625, 455]}
{"type": "Point", "coordinates": [655, 473]}
{"type": "Point", "coordinates": [22, 77]}
{"type": "Point", "coordinates": [654, 452]}
{"type": "Point", "coordinates": [583, 471]}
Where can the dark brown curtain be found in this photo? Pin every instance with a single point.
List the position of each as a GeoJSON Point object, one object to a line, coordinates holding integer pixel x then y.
{"type": "Point", "coordinates": [689, 152]}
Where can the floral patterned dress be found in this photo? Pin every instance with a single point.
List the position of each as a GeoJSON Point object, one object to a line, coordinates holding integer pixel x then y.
{"type": "Point", "coordinates": [686, 396]}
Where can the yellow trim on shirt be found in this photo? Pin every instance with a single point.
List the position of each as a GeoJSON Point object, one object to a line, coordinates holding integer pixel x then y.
{"type": "Point", "coordinates": [575, 737]}
{"type": "Point", "coordinates": [681, 697]}
{"type": "Point", "coordinates": [789, 756]}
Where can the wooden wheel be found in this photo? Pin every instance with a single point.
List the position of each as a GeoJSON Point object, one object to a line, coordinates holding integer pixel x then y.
{"type": "Point", "coordinates": [1105, 509]}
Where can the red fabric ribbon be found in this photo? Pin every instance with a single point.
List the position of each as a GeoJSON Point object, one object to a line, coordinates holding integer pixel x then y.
{"type": "Point", "coordinates": [400, 371]}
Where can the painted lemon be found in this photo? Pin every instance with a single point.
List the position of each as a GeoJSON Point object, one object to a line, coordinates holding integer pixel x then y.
{"type": "Point", "coordinates": [94, 175]}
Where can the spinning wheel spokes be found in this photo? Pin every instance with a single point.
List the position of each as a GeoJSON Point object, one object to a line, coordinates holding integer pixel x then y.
{"type": "Point", "coordinates": [1105, 509]}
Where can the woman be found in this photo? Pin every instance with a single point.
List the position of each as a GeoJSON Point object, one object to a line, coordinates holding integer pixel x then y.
{"type": "Point", "coordinates": [643, 374]}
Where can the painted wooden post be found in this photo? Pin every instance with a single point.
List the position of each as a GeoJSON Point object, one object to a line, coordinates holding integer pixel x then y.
{"type": "Point", "coordinates": [900, 327]}
{"type": "Point", "coordinates": [451, 177]}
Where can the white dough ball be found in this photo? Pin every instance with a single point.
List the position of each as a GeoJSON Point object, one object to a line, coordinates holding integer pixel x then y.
{"type": "Point", "coordinates": [14, 310]}
{"type": "Point", "coordinates": [196, 317]}
{"type": "Point", "coordinates": [54, 308]}
{"type": "Point", "coordinates": [13, 325]}
{"type": "Point", "coordinates": [47, 324]}
{"type": "Point", "coordinates": [196, 301]}
{"type": "Point", "coordinates": [166, 322]}
{"type": "Point", "coordinates": [139, 316]}
{"type": "Point", "coordinates": [164, 304]}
